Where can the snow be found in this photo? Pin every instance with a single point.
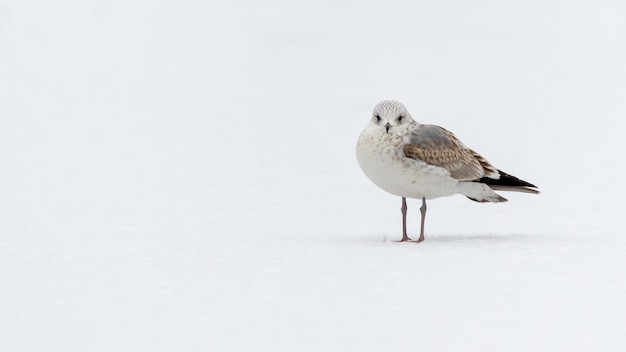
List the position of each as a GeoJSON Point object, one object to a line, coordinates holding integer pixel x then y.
{"type": "Point", "coordinates": [180, 175]}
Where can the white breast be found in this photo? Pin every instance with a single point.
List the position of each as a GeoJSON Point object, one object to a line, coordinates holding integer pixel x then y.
{"type": "Point", "coordinates": [381, 157]}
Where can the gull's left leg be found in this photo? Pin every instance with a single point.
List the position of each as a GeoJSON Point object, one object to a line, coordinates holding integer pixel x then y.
{"type": "Point", "coordinates": [423, 211]}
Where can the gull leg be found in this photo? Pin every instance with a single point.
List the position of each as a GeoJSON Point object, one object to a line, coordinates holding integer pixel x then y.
{"type": "Point", "coordinates": [405, 237]}
{"type": "Point", "coordinates": [423, 211]}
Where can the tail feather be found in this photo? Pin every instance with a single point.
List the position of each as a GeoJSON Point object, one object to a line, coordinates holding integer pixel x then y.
{"type": "Point", "coordinates": [510, 183]}
{"type": "Point", "coordinates": [514, 189]}
{"type": "Point", "coordinates": [497, 199]}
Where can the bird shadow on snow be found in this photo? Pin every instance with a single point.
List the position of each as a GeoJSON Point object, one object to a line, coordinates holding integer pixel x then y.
{"type": "Point", "coordinates": [447, 238]}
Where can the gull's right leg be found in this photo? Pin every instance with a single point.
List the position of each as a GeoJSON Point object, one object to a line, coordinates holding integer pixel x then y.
{"type": "Point", "coordinates": [405, 237]}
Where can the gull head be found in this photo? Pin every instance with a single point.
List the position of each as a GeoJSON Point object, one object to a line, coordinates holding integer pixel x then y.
{"type": "Point", "coordinates": [391, 115]}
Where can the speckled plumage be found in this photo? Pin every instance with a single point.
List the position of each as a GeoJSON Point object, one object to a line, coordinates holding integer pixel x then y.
{"type": "Point", "coordinates": [413, 160]}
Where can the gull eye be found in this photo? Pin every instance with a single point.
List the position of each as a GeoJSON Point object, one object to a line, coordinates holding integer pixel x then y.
{"type": "Point", "coordinates": [400, 118]}
{"type": "Point", "coordinates": [377, 118]}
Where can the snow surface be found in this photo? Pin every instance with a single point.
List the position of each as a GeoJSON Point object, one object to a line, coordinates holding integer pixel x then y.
{"type": "Point", "coordinates": [180, 176]}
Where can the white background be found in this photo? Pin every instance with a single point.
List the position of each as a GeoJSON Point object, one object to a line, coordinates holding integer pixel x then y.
{"type": "Point", "coordinates": [180, 176]}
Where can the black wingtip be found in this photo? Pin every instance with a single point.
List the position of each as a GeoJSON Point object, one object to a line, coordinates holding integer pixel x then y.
{"type": "Point", "coordinates": [506, 180]}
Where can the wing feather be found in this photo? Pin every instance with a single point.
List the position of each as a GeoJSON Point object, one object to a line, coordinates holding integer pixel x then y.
{"type": "Point", "coordinates": [437, 146]}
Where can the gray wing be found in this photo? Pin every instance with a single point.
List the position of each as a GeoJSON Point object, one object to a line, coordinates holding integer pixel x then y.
{"type": "Point", "coordinates": [437, 146]}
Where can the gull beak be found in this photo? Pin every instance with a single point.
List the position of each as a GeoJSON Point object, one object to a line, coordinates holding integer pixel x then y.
{"type": "Point", "coordinates": [387, 126]}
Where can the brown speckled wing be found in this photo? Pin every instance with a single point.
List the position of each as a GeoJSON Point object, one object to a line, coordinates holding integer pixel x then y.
{"type": "Point", "coordinates": [437, 146]}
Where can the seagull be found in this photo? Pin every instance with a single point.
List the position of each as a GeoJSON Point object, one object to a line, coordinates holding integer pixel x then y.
{"type": "Point", "coordinates": [412, 160]}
